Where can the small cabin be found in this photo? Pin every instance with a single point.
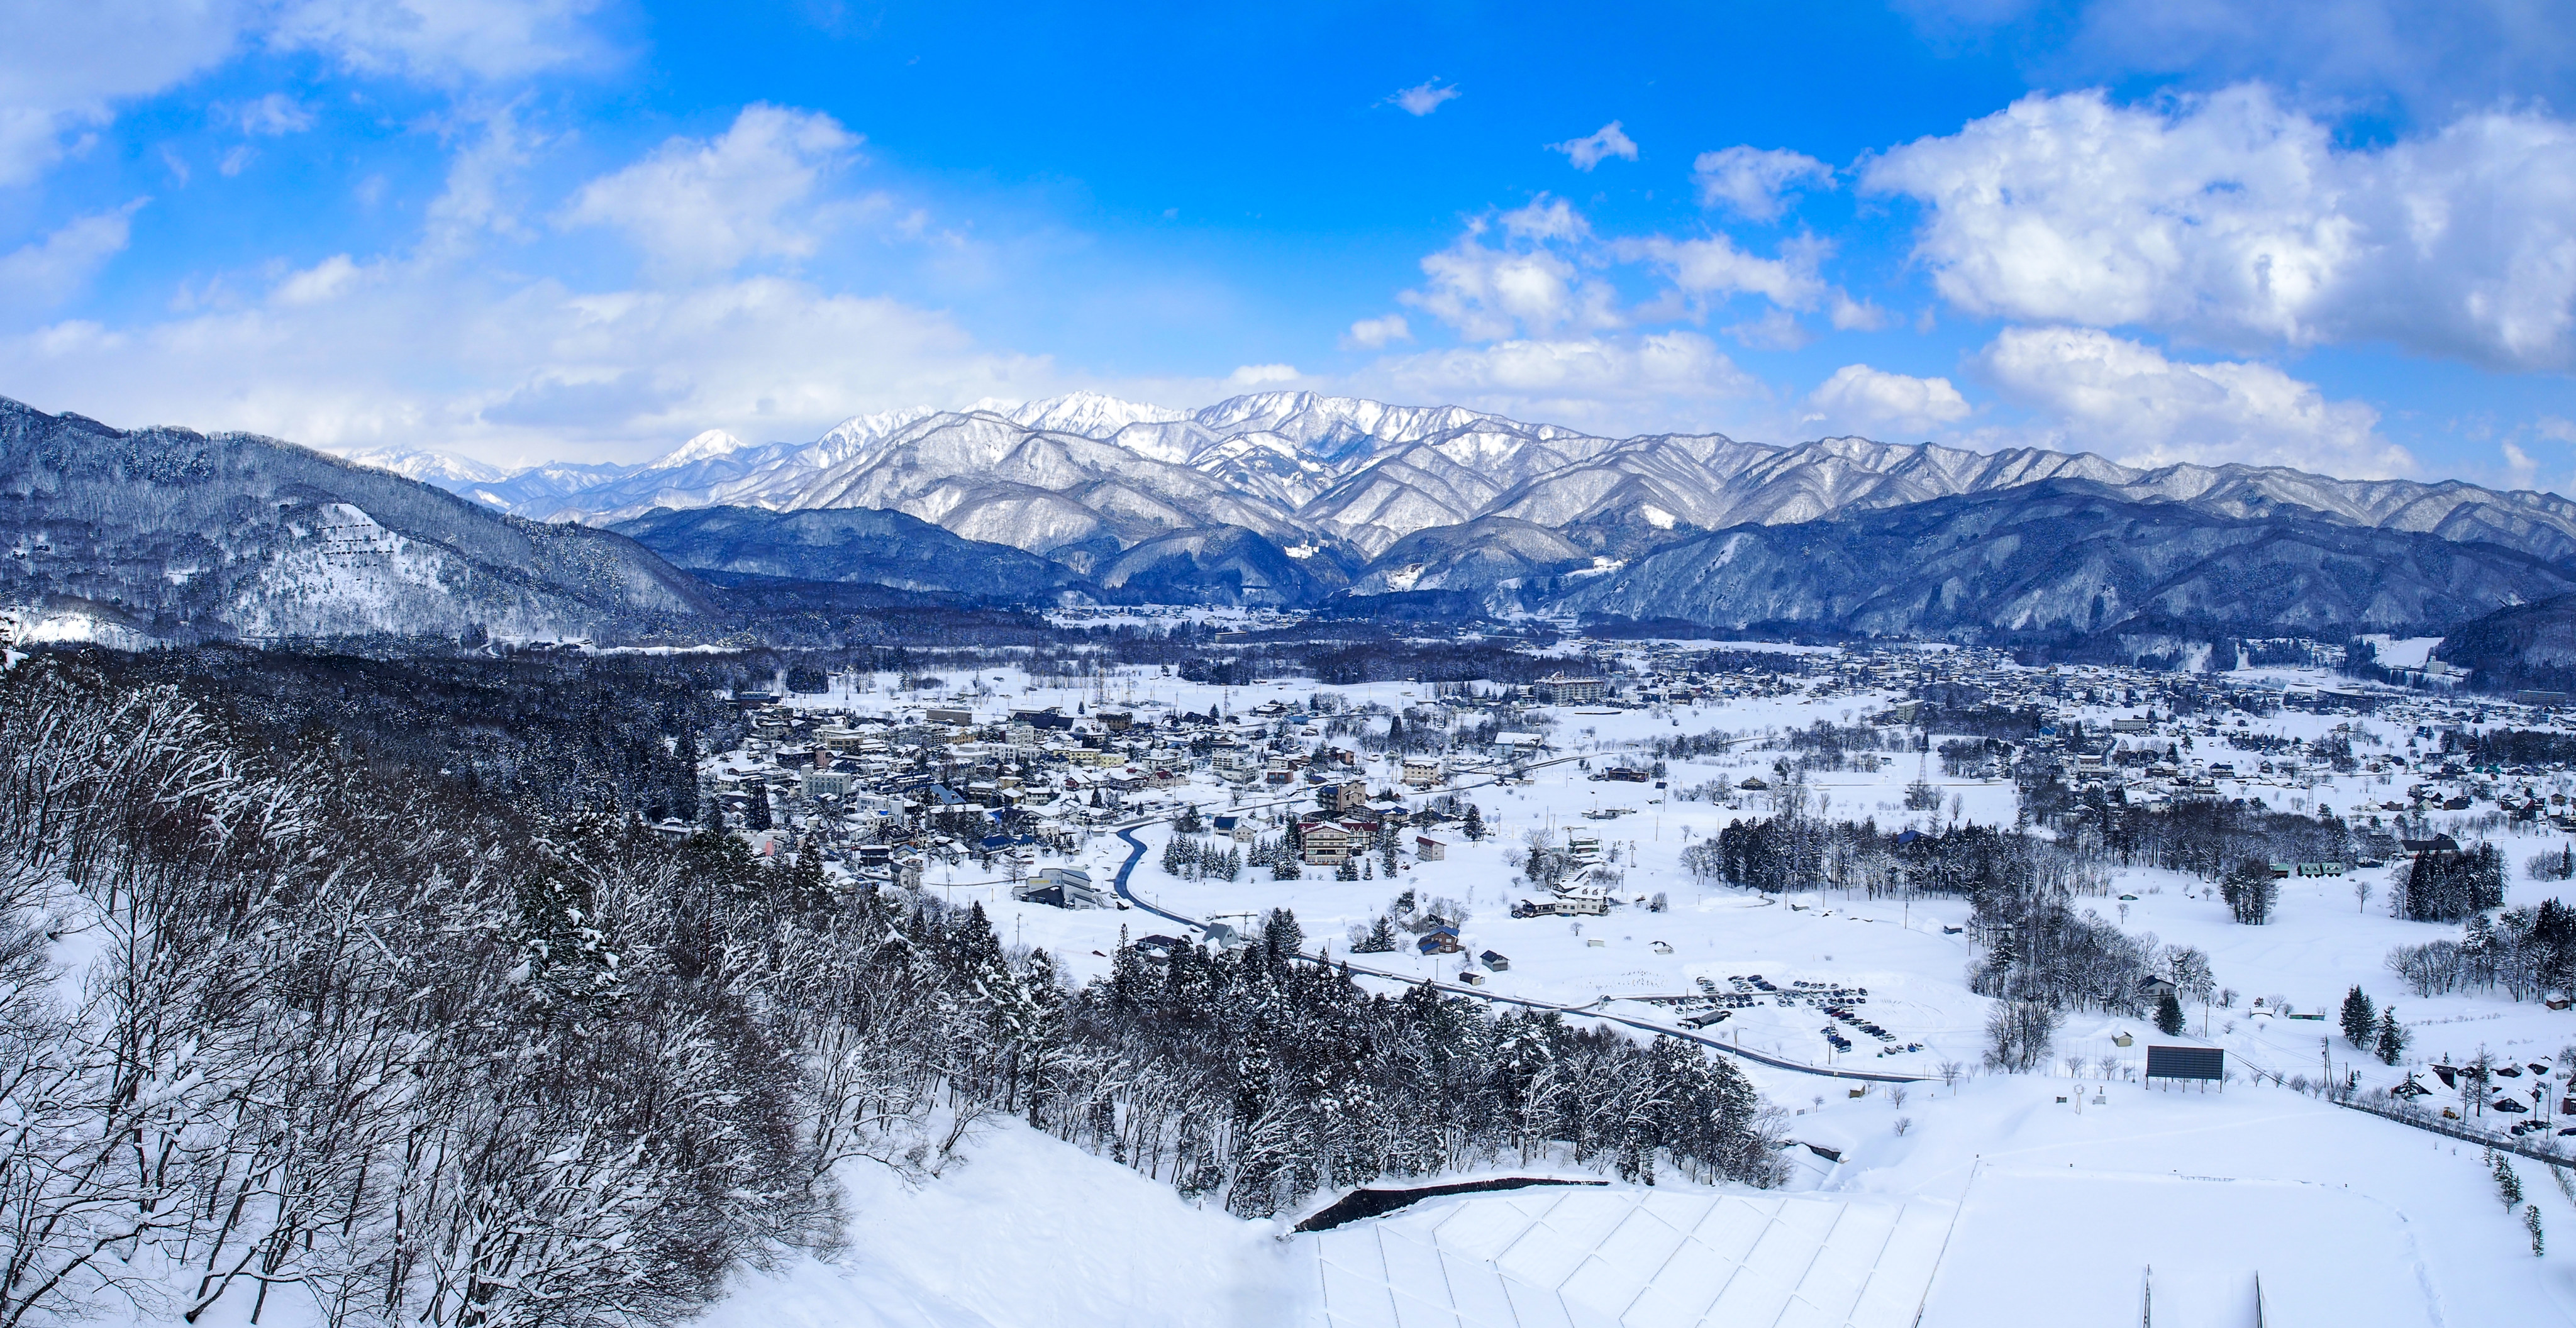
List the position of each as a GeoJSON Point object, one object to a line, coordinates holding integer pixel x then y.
{"type": "Point", "coordinates": [1495, 960]}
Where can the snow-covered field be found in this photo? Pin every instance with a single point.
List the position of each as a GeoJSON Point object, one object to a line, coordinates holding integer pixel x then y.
{"type": "Point", "coordinates": [2065, 1188]}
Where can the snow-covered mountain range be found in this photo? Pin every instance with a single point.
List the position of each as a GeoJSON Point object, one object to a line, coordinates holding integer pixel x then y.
{"type": "Point", "coordinates": [1285, 499]}
{"type": "Point", "coordinates": [1085, 477]}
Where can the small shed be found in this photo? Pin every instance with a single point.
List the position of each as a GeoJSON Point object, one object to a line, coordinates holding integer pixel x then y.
{"type": "Point", "coordinates": [1495, 960]}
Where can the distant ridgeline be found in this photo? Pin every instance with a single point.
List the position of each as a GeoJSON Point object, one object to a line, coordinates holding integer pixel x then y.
{"type": "Point", "coordinates": [1358, 509]}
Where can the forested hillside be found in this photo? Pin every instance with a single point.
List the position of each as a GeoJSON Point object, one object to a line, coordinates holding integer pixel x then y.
{"type": "Point", "coordinates": [279, 1020]}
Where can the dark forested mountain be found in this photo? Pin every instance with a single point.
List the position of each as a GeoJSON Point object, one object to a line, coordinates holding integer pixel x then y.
{"type": "Point", "coordinates": [2067, 559]}
{"type": "Point", "coordinates": [2523, 645]}
{"type": "Point", "coordinates": [172, 535]}
{"type": "Point", "coordinates": [847, 544]}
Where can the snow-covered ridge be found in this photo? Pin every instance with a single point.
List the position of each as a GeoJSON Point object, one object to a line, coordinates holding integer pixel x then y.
{"type": "Point", "coordinates": [434, 467]}
{"type": "Point", "coordinates": [1363, 475]}
{"type": "Point", "coordinates": [706, 446]}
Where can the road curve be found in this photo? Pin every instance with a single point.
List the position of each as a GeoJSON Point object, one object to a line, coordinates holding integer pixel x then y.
{"type": "Point", "coordinates": [1136, 854]}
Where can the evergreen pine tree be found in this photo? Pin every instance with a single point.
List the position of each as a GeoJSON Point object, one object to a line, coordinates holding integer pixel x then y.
{"type": "Point", "coordinates": [2169, 1015]}
{"type": "Point", "coordinates": [2531, 1223]}
{"type": "Point", "coordinates": [2391, 1040]}
{"type": "Point", "coordinates": [1475, 828]}
{"type": "Point", "coordinates": [2508, 1185]}
{"type": "Point", "coordinates": [2358, 1019]}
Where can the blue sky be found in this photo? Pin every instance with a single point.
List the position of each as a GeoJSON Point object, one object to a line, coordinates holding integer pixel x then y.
{"type": "Point", "coordinates": [2334, 235]}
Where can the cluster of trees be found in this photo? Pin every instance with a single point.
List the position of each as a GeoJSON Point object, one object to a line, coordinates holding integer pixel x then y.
{"type": "Point", "coordinates": [2250, 891]}
{"type": "Point", "coordinates": [2442, 886]}
{"type": "Point", "coordinates": [2372, 1030]}
{"type": "Point", "coordinates": [2041, 944]}
{"type": "Point", "coordinates": [564, 730]}
{"type": "Point", "coordinates": [2528, 952]}
{"type": "Point", "coordinates": [1193, 858]}
{"type": "Point", "coordinates": [1259, 1078]}
{"type": "Point", "coordinates": [1795, 851]}
{"type": "Point", "coordinates": [413, 1052]}
{"type": "Point", "coordinates": [2208, 837]}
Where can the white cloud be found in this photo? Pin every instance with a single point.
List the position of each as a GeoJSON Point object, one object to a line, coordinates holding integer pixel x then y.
{"type": "Point", "coordinates": [1378, 333]}
{"type": "Point", "coordinates": [1776, 329]}
{"type": "Point", "coordinates": [68, 65]}
{"type": "Point", "coordinates": [442, 41]}
{"type": "Point", "coordinates": [1622, 384]}
{"type": "Point", "coordinates": [1592, 149]}
{"type": "Point", "coordinates": [1262, 375]}
{"type": "Point", "coordinates": [321, 283]}
{"type": "Point", "coordinates": [272, 116]}
{"type": "Point", "coordinates": [439, 346]}
{"type": "Point", "coordinates": [1755, 183]}
{"type": "Point", "coordinates": [1716, 267]}
{"type": "Point", "coordinates": [56, 267]}
{"type": "Point", "coordinates": [1850, 315]}
{"type": "Point", "coordinates": [1866, 400]}
{"type": "Point", "coordinates": [446, 356]}
{"type": "Point", "coordinates": [1422, 98]}
{"type": "Point", "coordinates": [1530, 285]}
{"type": "Point", "coordinates": [706, 206]}
{"type": "Point", "coordinates": [2235, 220]}
{"type": "Point", "coordinates": [2129, 401]}
{"type": "Point", "coordinates": [2438, 56]}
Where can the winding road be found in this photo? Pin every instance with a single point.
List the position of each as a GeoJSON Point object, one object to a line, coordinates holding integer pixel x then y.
{"type": "Point", "coordinates": [1136, 854]}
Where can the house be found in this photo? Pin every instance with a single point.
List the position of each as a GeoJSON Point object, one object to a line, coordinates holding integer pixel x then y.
{"type": "Point", "coordinates": [2154, 990]}
{"type": "Point", "coordinates": [1495, 960]}
{"type": "Point", "coordinates": [1561, 689]}
{"type": "Point", "coordinates": [1326, 844]}
{"type": "Point", "coordinates": [1061, 887]}
{"type": "Point", "coordinates": [1340, 796]}
{"type": "Point", "coordinates": [1116, 721]}
{"type": "Point", "coordinates": [2437, 844]}
{"type": "Point", "coordinates": [1428, 849]}
{"type": "Point", "coordinates": [1421, 771]}
{"type": "Point", "coordinates": [1440, 940]}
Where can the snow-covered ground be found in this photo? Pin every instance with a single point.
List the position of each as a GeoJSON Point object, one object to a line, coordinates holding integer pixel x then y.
{"type": "Point", "coordinates": [2065, 1187]}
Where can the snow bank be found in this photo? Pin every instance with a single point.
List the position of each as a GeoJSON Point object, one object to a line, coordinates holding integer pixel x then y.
{"type": "Point", "coordinates": [1030, 1232]}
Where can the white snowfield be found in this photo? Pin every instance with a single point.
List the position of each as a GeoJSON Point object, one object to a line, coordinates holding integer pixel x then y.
{"type": "Point", "coordinates": [1569, 1257]}
{"type": "Point", "coordinates": [2042, 1198]}
{"type": "Point", "coordinates": [2171, 1250]}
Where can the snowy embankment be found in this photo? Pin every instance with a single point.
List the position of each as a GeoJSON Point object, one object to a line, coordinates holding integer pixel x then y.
{"type": "Point", "coordinates": [1029, 1232]}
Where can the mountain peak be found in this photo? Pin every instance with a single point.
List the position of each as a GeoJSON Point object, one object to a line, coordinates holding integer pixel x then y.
{"type": "Point", "coordinates": [416, 464]}
{"type": "Point", "coordinates": [1089, 414]}
{"type": "Point", "coordinates": [705, 447]}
